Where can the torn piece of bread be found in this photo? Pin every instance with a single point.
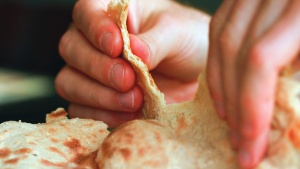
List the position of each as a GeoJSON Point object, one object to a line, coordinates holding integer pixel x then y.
{"type": "Point", "coordinates": [192, 130]}
{"type": "Point", "coordinates": [118, 10]}
{"type": "Point", "coordinates": [57, 144]}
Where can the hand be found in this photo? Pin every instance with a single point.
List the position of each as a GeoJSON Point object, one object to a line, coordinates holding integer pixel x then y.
{"type": "Point", "coordinates": [170, 38]}
{"type": "Point", "coordinates": [251, 41]}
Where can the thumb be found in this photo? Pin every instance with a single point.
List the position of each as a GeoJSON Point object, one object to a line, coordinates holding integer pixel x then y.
{"type": "Point", "coordinates": [177, 46]}
{"type": "Point", "coordinates": [161, 42]}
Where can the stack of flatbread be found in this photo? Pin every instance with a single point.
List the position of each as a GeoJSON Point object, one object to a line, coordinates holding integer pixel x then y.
{"type": "Point", "coordinates": [187, 135]}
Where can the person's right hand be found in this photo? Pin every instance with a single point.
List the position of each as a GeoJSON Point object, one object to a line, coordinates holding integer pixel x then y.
{"type": "Point", "coordinates": [251, 42]}
{"type": "Point", "coordinates": [170, 38]}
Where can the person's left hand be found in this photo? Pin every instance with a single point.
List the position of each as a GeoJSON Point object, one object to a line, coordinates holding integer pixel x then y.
{"type": "Point", "coordinates": [170, 38]}
{"type": "Point", "coordinates": [251, 41]}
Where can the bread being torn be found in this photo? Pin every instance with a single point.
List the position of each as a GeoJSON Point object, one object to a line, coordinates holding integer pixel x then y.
{"type": "Point", "coordinates": [189, 134]}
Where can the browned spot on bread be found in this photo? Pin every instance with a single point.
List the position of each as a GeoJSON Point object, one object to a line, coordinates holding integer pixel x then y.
{"type": "Point", "coordinates": [54, 140]}
{"type": "Point", "coordinates": [5, 152]}
{"type": "Point", "coordinates": [89, 124]}
{"type": "Point", "coordinates": [182, 123]}
{"type": "Point", "coordinates": [128, 137]}
{"type": "Point", "coordinates": [32, 143]}
{"type": "Point", "coordinates": [51, 130]}
{"type": "Point", "coordinates": [125, 153]}
{"type": "Point", "coordinates": [23, 151]}
{"type": "Point", "coordinates": [108, 149]}
{"type": "Point", "coordinates": [49, 163]}
{"type": "Point", "coordinates": [142, 151]}
{"type": "Point", "coordinates": [60, 113]}
{"type": "Point", "coordinates": [62, 124]}
{"type": "Point", "coordinates": [55, 150]}
{"type": "Point", "coordinates": [11, 161]}
{"type": "Point", "coordinates": [73, 144]}
{"type": "Point", "coordinates": [101, 131]}
{"type": "Point", "coordinates": [153, 163]}
{"type": "Point", "coordinates": [88, 160]}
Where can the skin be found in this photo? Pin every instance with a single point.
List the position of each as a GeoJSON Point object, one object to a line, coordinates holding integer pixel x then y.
{"type": "Point", "coordinates": [251, 42]}
{"type": "Point", "coordinates": [100, 84]}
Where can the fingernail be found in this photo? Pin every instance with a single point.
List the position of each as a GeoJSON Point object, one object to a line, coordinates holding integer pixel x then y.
{"type": "Point", "coordinates": [116, 75]}
{"type": "Point", "coordinates": [126, 100]}
{"type": "Point", "coordinates": [244, 158]}
{"type": "Point", "coordinates": [106, 43]}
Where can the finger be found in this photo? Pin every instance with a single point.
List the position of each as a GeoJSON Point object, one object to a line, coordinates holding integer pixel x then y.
{"type": "Point", "coordinates": [80, 54]}
{"type": "Point", "coordinates": [230, 39]}
{"type": "Point", "coordinates": [258, 146]}
{"type": "Point", "coordinates": [111, 118]}
{"type": "Point", "coordinates": [296, 65]}
{"type": "Point", "coordinates": [277, 47]}
{"type": "Point", "coordinates": [139, 48]}
{"type": "Point", "coordinates": [91, 18]}
{"type": "Point", "coordinates": [78, 88]}
{"type": "Point", "coordinates": [213, 60]}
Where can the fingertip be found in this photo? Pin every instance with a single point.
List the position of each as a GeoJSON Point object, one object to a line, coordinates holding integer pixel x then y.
{"type": "Point", "coordinates": [139, 48]}
{"type": "Point", "coordinates": [253, 150]}
{"type": "Point", "coordinates": [138, 98]}
{"type": "Point", "coordinates": [130, 101]}
{"type": "Point", "coordinates": [59, 82]}
{"type": "Point", "coordinates": [92, 19]}
{"type": "Point", "coordinates": [129, 78]}
{"type": "Point", "coordinates": [110, 41]}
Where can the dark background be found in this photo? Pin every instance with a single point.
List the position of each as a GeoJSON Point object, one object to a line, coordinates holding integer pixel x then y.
{"type": "Point", "coordinates": [29, 34]}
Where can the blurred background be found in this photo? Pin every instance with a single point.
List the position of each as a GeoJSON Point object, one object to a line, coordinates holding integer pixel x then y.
{"type": "Point", "coordinates": [29, 61]}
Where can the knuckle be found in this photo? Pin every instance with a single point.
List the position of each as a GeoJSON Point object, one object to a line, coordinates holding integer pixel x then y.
{"type": "Point", "coordinates": [63, 45]}
{"type": "Point", "coordinates": [58, 83]}
{"type": "Point", "coordinates": [96, 98]}
{"type": "Point", "coordinates": [258, 55]}
{"type": "Point", "coordinates": [101, 98]}
{"type": "Point", "coordinates": [76, 9]}
{"type": "Point", "coordinates": [94, 66]}
{"type": "Point", "coordinates": [226, 43]}
{"type": "Point", "coordinates": [90, 66]}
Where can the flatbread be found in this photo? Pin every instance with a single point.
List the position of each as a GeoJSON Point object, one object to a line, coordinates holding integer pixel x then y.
{"type": "Point", "coordinates": [190, 134]}
{"type": "Point", "coordinates": [57, 144]}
